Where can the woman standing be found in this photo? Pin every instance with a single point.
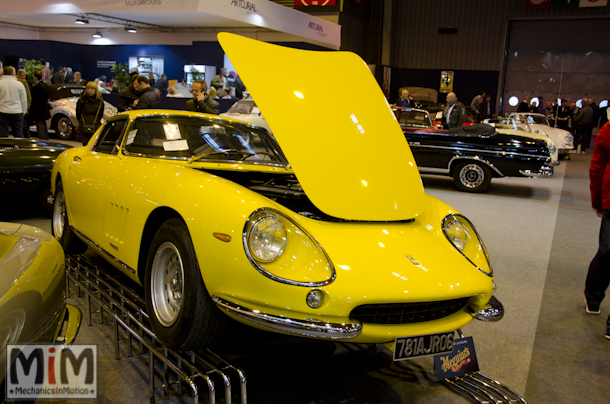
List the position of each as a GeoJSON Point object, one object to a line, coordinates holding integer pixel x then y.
{"type": "Point", "coordinates": [89, 112]}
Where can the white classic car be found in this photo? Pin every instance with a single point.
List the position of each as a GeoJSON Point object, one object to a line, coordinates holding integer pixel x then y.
{"type": "Point", "coordinates": [512, 126]}
{"type": "Point", "coordinates": [540, 124]}
{"type": "Point", "coordinates": [62, 103]}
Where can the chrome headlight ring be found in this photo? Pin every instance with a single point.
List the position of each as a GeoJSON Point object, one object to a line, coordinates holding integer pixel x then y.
{"type": "Point", "coordinates": [266, 213]}
{"type": "Point", "coordinates": [455, 220]}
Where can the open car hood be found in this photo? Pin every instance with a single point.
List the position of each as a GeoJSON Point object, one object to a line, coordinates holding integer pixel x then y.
{"type": "Point", "coordinates": [335, 127]}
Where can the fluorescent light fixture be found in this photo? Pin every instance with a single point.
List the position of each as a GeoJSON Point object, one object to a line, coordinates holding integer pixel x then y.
{"type": "Point", "coordinates": [97, 35]}
{"type": "Point", "coordinates": [131, 29]}
{"type": "Point", "coordinates": [81, 21]}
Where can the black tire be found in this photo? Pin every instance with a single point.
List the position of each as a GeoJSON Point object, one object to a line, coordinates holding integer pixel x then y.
{"type": "Point", "coordinates": [60, 227]}
{"type": "Point", "coordinates": [471, 176]}
{"type": "Point", "coordinates": [181, 312]}
{"type": "Point", "coordinates": [63, 128]}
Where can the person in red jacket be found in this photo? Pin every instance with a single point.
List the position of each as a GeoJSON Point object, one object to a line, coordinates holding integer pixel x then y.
{"type": "Point", "coordinates": [598, 277]}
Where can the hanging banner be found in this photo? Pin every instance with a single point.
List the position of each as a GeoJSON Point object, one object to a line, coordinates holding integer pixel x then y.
{"type": "Point", "coordinates": [446, 82]}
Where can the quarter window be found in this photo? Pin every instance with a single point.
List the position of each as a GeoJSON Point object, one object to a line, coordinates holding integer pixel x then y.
{"type": "Point", "coordinates": [110, 139]}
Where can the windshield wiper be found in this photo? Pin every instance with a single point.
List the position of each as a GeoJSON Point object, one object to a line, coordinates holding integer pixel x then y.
{"type": "Point", "coordinates": [223, 151]}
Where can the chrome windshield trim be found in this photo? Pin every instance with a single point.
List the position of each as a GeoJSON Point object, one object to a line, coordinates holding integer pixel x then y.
{"type": "Point", "coordinates": [101, 250]}
{"type": "Point", "coordinates": [494, 312]}
{"type": "Point", "coordinates": [477, 158]}
{"type": "Point", "coordinates": [307, 328]}
{"type": "Point", "coordinates": [545, 171]}
{"type": "Point", "coordinates": [484, 151]}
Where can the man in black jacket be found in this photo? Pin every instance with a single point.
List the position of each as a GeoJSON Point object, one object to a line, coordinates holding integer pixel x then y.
{"type": "Point", "coordinates": [455, 112]}
{"type": "Point", "coordinates": [201, 101]}
{"type": "Point", "coordinates": [148, 98]}
{"type": "Point", "coordinates": [129, 95]}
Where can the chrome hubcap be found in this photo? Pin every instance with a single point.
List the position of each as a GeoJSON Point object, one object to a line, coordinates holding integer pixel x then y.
{"type": "Point", "coordinates": [167, 283]}
{"type": "Point", "coordinates": [59, 215]}
{"type": "Point", "coordinates": [472, 175]}
{"type": "Point", "coordinates": [64, 127]}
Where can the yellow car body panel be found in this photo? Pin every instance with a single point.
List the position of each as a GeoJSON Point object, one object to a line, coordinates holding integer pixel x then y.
{"type": "Point", "coordinates": [299, 107]}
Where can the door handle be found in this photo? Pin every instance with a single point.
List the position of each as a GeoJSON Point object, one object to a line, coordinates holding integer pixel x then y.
{"type": "Point", "coordinates": [76, 158]}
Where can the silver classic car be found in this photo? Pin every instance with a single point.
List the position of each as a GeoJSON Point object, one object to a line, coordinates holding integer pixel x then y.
{"type": "Point", "coordinates": [62, 103]}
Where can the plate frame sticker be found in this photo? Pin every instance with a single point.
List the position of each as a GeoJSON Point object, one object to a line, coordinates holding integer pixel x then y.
{"type": "Point", "coordinates": [461, 361]}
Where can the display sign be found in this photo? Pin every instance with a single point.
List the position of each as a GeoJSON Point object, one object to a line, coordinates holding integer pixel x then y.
{"type": "Point", "coordinates": [105, 64]}
{"type": "Point", "coordinates": [446, 82]}
{"type": "Point", "coordinates": [423, 345]}
{"type": "Point", "coordinates": [462, 360]}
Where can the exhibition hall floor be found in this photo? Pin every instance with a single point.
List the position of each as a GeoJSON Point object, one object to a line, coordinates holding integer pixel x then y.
{"type": "Point", "coordinates": [541, 235]}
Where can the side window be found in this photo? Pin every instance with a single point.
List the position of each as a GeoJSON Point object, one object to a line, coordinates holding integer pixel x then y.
{"type": "Point", "coordinates": [110, 139]}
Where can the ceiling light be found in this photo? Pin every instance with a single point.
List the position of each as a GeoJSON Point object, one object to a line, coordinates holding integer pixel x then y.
{"type": "Point", "coordinates": [131, 29]}
{"type": "Point", "coordinates": [97, 35]}
{"type": "Point", "coordinates": [81, 21]}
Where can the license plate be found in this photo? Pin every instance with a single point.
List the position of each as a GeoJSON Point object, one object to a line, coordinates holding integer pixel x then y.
{"type": "Point", "coordinates": [423, 345]}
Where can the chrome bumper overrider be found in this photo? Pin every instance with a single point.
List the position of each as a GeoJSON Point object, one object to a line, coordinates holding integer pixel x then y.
{"type": "Point", "coordinates": [545, 171]}
{"type": "Point", "coordinates": [308, 328]}
{"type": "Point", "coordinates": [493, 313]}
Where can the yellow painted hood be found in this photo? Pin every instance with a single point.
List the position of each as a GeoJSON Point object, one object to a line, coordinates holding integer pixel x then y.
{"type": "Point", "coordinates": [335, 126]}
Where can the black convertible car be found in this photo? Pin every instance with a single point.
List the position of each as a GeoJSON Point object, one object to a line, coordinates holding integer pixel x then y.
{"type": "Point", "coordinates": [25, 169]}
{"type": "Point", "coordinates": [472, 155]}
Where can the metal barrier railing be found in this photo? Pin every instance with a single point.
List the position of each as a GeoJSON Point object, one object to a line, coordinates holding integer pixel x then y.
{"type": "Point", "coordinates": [127, 309]}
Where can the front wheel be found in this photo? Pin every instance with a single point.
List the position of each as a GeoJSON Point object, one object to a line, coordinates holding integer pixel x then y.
{"type": "Point", "coordinates": [60, 226]}
{"type": "Point", "coordinates": [182, 314]}
{"type": "Point", "coordinates": [64, 129]}
{"type": "Point", "coordinates": [472, 176]}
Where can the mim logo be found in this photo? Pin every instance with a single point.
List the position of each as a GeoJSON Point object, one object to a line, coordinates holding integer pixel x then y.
{"type": "Point", "coordinates": [246, 5]}
{"type": "Point", "coordinates": [315, 27]}
{"type": "Point", "coordinates": [41, 371]}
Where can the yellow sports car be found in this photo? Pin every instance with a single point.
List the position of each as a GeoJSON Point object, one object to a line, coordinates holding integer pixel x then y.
{"type": "Point", "coordinates": [330, 236]}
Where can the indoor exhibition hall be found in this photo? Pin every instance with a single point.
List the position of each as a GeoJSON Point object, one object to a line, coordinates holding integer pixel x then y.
{"type": "Point", "coordinates": [298, 201]}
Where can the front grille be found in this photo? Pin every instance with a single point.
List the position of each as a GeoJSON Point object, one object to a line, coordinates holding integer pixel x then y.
{"type": "Point", "coordinates": [407, 313]}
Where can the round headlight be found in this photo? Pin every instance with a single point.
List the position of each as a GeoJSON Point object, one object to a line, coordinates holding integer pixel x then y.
{"type": "Point", "coordinates": [569, 138]}
{"type": "Point", "coordinates": [462, 234]}
{"type": "Point", "coordinates": [267, 238]}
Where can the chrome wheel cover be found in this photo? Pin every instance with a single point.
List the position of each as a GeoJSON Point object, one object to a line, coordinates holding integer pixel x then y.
{"type": "Point", "coordinates": [472, 176]}
{"type": "Point", "coordinates": [59, 215]}
{"type": "Point", "coordinates": [64, 127]}
{"type": "Point", "coordinates": [167, 283]}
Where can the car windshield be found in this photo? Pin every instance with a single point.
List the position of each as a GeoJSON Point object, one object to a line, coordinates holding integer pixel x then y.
{"type": "Point", "coordinates": [242, 107]}
{"type": "Point", "coordinates": [414, 119]}
{"type": "Point", "coordinates": [537, 119]}
{"type": "Point", "coordinates": [509, 123]}
{"type": "Point", "coordinates": [193, 138]}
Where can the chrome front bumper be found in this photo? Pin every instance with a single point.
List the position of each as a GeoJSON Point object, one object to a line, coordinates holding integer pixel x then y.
{"type": "Point", "coordinates": [493, 313]}
{"type": "Point", "coordinates": [308, 328]}
{"type": "Point", "coordinates": [545, 171]}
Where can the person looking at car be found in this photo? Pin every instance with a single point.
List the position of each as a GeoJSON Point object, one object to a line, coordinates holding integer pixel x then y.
{"type": "Point", "coordinates": [89, 112]}
{"type": "Point", "coordinates": [129, 95]}
{"type": "Point", "coordinates": [149, 99]}
{"type": "Point", "coordinates": [201, 101]}
{"type": "Point", "coordinates": [455, 112]}
{"type": "Point", "coordinates": [598, 276]}
{"type": "Point", "coordinates": [21, 78]}
{"type": "Point", "coordinates": [524, 106]}
{"type": "Point", "coordinates": [13, 103]}
{"type": "Point", "coordinates": [405, 100]}
{"type": "Point", "coordinates": [78, 79]}
{"type": "Point", "coordinates": [220, 81]}
{"type": "Point", "coordinates": [475, 103]}
{"type": "Point", "coordinates": [39, 110]}
{"type": "Point", "coordinates": [582, 127]}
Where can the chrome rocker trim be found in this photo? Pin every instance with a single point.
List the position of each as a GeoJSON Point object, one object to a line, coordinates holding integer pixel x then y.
{"type": "Point", "coordinates": [493, 313]}
{"type": "Point", "coordinates": [101, 250]}
{"type": "Point", "coordinates": [307, 328]}
{"type": "Point", "coordinates": [545, 171]}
